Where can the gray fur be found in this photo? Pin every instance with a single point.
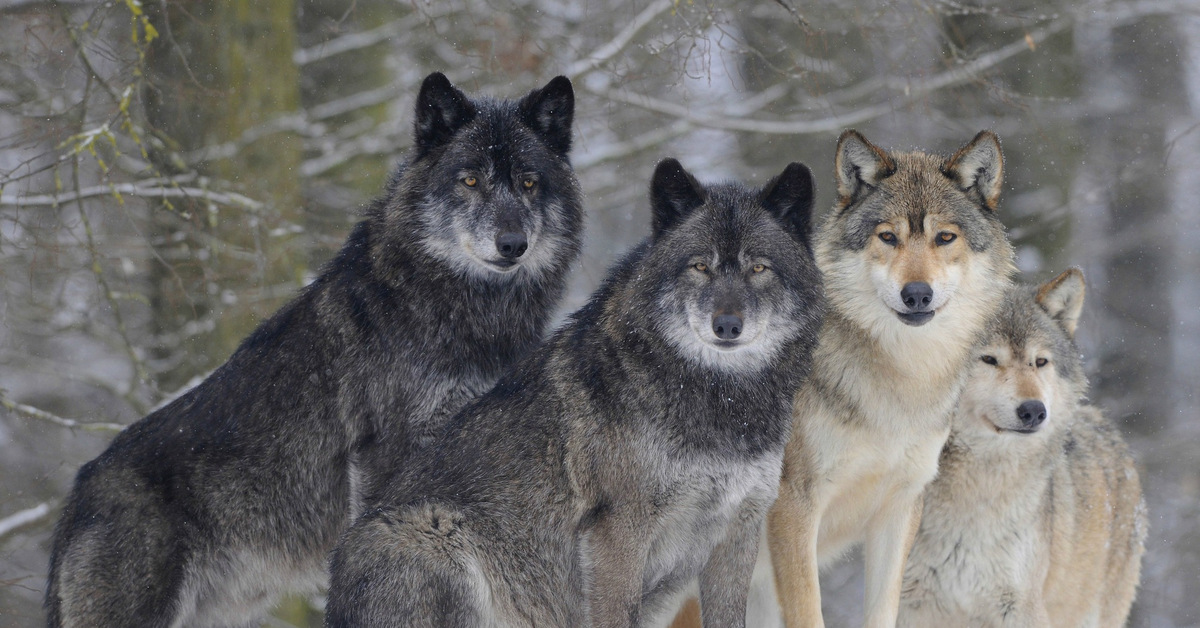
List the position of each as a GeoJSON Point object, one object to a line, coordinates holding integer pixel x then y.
{"type": "Point", "coordinates": [622, 460]}
{"type": "Point", "coordinates": [207, 510]}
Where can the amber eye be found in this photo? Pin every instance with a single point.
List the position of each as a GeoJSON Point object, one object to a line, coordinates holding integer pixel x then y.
{"type": "Point", "coordinates": [987, 359]}
{"type": "Point", "coordinates": [946, 237]}
{"type": "Point", "coordinates": [758, 268]}
{"type": "Point", "coordinates": [888, 237]}
{"type": "Point", "coordinates": [1040, 362]}
{"type": "Point", "coordinates": [700, 266]}
{"type": "Point", "coordinates": [470, 181]}
{"type": "Point", "coordinates": [527, 184]}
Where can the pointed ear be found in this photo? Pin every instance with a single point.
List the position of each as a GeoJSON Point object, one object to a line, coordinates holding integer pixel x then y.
{"type": "Point", "coordinates": [978, 167]}
{"type": "Point", "coordinates": [549, 111]}
{"type": "Point", "coordinates": [441, 111]}
{"type": "Point", "coordinates": [1062, 298]}
{"type": "Point", "coordinates": [859, 165]}
{"type": "Point", "coordinates": [674, 193]}
{"type": "Point", "coordinates": [790, 197]}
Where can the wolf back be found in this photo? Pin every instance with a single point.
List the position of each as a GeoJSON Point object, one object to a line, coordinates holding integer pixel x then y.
{"type": "Point", "coordinates": [1036, 517]}
{"type": "Point", "coordinates": [636, 450]}
{"type": "Point", "coordinates": [208, 509]}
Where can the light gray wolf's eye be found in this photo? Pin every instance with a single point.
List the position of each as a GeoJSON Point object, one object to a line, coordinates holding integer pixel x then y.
{"type": "Point", "coordinates": [1040, 362]}
{"type": "Point", "coordinates": [987, 359]}
{"type": "Point", "coordinates": [888, 237]}
{"type": "Point", "coordinates": [700, 266]}
{"type": "Point", "coordinates": [946, 237]}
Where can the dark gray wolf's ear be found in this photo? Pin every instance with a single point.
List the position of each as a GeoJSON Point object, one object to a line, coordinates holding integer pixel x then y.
{"type": "Point", "coordinates": [441, 110]}
{"type": "Point", "coordinates": [859, 165]}
{"type": "Point", "coordinates": [674, 193]}
{"type": "Point", "coordinates": [549, 111]}
{"type": "Point", "coordinates": [978, 167]}
{"type": "Point", "coordinates": [790, 197]}
{"type": "Point", "coordinates": [1062, 298]}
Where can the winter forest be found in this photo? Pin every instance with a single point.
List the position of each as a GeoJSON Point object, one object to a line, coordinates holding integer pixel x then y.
{"type": "Point", "coordinates": [172, 171]}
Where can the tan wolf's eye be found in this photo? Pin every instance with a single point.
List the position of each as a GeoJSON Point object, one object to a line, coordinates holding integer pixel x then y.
{"type": "Point", "coordinates": [700, 266]}
{"type": "Point", "coordinates": [1040, 362]}
{"type": "Point", "coordinates": [987, 359]}
{"type": "Point", "coordinates": [527, 184]}
{"type": "Point", "coordinates": [758, 268]}
{"type": "Point", "coordinates": [888, 237]}
{"type": "Point", "coordinates": [946, 237]}
{"type": "Point", "coordinates": [470, 181]}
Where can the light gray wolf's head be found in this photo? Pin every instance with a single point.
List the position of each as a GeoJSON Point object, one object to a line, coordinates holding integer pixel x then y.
{"type": "Point", "coordinates": [1027, 373]}
{"type": "Point", "coordinates": [492, 182]}
{"type": "Point", "coordinates": [913, 240]}
{"type": "Point", "coordinates": [734, 279]}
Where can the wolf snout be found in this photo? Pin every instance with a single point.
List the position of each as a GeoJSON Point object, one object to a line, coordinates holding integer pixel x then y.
{"type": "Point", "coordinates": [916, 295]}
{"type": "Point", "coordinates": [1031, 413]}
{"type": "Point", "coordinates": [727, 326]}
{"type": "Point", "coordinates": [511, 244]}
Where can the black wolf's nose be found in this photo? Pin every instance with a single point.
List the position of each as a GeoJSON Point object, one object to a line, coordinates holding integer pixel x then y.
{"type": "Point", "coordinates": [727, 326]}
{"type": "Point", "coordinates": [916, 295]}
{"type": "Point", "coordinates": [511, 245]}
{"type": "Point", "coordinates": [1031, 413]}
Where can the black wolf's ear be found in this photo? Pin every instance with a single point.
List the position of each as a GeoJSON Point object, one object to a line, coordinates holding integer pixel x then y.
{"type": "Point", "coordinates": [549, 111]}
{"type": "Point", "coordinates": [978, 167]}
{"type": "Point", "coordinates": [674, 193]}
{"type": "Point", "coordinates": [1062, 298]}
{"type": "Point", "coordinates": [441, 110]}
{"type": "Point", "coordinates": [790, 197]}
{"type": "Point", "coordinates": [859, 164]}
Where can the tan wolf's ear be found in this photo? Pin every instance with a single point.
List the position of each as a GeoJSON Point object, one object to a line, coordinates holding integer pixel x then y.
{"type": "Point", "coordinates": [859, 164]}
{"type": "Point", "coordinates": [978, 167]}
{"type": "Point", "coordinates": [1062, 298]}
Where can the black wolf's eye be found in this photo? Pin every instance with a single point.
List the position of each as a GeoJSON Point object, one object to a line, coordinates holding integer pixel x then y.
{"type": "Point", "coordinates": [700, 266]}
{"type": "Point", "coordinates": [946, 237]}
{"type": "Point", "coordinates": [470, 181]}
{"type": "Point", "coordinates": [758, 268]}
{"type": "Point", "coordinates": [888, 238]}
{"type": "Point", "coordinates": [987, 359]}
{"type": "Point", "coordinates": [528, 183]}
{"type": "Point", "coordinates": [1040, 362]}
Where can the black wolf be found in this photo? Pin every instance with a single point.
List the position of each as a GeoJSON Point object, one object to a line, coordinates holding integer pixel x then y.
{"type": "Point", "coordinates": [639, 449]}
{"type": "Point", "coordinates": [205, 511]}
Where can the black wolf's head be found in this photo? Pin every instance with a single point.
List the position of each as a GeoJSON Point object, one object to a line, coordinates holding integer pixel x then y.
{"type": "Point", "coordinates": [491, 182]}
{"type": "Point", "coordinates": [730, 277]}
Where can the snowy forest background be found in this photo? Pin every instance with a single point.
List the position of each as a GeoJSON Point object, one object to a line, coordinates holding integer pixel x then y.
{"type": "Point", "coordinates": [171, 171]}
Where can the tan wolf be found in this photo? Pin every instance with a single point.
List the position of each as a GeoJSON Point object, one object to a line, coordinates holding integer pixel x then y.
{"type": "Point", "coordinates": [1036, 518]}
{"type": "Point", "coordinates": [915, 262]}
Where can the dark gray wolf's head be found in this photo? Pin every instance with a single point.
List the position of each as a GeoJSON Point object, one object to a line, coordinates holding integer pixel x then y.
{"type": "Point", "coordinates": [732, 278]}
{"type": "Point", "coordinates": [492, 182]}
{"type": "Point", "coordinates": [914, 240]}
{"type": "Point", "coordinates": [1027, 370]}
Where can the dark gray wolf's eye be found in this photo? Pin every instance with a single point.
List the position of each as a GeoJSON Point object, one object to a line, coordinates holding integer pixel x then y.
{"type": "Point", "coordinates": [470, 181]}
{"type": "Point", "coordinates": [700, 266]}
{"type": "Point", "coordinates": [758, 268]}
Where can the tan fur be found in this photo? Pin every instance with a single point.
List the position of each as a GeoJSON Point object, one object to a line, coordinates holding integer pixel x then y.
{"type": "Point", "coordinates": [1033, 529]}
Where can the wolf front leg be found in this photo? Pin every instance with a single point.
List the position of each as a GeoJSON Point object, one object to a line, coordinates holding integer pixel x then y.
{"type": "Point", "coordinates": [792, 536]}
{"type": "Point", "coordinates": [890, 536]}
{"type": "Point", "coordinates": [616, 550]}
{"type": "Point", "coordinates": [725, 579]}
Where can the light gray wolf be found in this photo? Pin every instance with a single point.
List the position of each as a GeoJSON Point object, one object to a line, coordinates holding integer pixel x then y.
{"type": "Point", "coordinates": [1036, 517]}
{"type": "Point", "coordinates": [208, 509]}
{"type": "Point", "coordinates": [915, 261]}
{"type": "Point", "coordinates": [636, 451]}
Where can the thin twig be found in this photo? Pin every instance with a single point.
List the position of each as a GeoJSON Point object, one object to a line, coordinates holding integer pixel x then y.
{"type": "Point", "coordinates": [31, 412]}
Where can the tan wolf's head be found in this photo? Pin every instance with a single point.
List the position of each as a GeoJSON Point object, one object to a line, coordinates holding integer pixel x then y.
{"type": "Point", "coordinates": [1027, 370]}
{"type": "Point", "coordinates": [913, 245]}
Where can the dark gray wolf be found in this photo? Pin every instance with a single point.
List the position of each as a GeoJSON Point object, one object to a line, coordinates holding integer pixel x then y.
{"type": "Point", "coordinates": [205, 511]}
{"type": "Point", "coordinates": [1036, 518]}
{"type": "Point", "coordinates": [915, 262]}
{"type": "Point", "coordinates": [637, 450]}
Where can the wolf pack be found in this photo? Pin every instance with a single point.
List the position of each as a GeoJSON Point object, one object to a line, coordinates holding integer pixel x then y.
{"type": "Point", "coordinates": [747, 396]}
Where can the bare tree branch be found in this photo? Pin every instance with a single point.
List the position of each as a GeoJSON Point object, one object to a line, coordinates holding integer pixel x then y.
{"type": "Point", "coordinates": [41, 415]}
{"type": "Point", "coordinates": [23, 518]}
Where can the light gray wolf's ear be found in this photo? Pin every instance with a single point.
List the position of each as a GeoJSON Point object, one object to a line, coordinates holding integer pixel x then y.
{"type": "Point", "coordinates": [790, 197]}
{"type": "Point", "coordinates": [978, 167]}
{"type": "Point", "coordinates": [549, 111]}
{"type": "Point", "coordinates": [441, 111]}
{"type": "Point", "coordinates": [1062, 298]}
{"type": "Point", "coordinates": [859, 165]}
{"type": "Point", "coordinates": [674, 193]}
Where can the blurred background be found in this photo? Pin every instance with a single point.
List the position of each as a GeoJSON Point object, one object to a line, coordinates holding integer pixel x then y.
{"type": "Point", "coordinates": [172, 171]}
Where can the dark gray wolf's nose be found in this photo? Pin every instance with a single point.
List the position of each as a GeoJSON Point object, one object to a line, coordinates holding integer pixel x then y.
{"type": "Point", "coordinates": [916, 295]}
{"type": "Point", "coordinates": [1031, 413]}
{"type": "Point", "coordinates": [727, 326]}
{"type": "Point", "coordinates": [511, 245]}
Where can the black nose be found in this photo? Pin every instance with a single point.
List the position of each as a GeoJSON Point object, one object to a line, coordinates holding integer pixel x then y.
{"type": "Point", "coordinates": [916, 295]}
{"type": "Point", "coordinates": [511, 244]}
{"type": "Point", "coordinates": [1031, 413]}
{"type": "Point", "coordinates": [727, 326]}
